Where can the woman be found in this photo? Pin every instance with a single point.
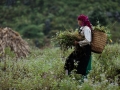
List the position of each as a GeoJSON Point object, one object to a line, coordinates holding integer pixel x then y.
{"type": "Point", "coordinates": [82, 53]}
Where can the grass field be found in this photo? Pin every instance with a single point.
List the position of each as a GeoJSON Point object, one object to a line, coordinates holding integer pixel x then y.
{"type": "Point", "coordinates": [43, 70]}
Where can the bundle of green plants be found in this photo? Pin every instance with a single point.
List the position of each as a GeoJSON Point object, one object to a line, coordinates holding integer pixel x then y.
{"type": "Point", "coordinates": [67, 38]}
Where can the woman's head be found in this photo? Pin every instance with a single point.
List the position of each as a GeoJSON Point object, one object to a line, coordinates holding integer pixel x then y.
{"type": "Point", "coordinates": [84, 21]}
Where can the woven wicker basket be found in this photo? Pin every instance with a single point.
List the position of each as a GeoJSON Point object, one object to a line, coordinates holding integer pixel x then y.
{"type": "Point", "coordinates": [98, 41]}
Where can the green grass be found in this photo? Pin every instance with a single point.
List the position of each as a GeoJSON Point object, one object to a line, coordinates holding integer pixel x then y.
{"type": "Point", "coordinates": [43, 70]}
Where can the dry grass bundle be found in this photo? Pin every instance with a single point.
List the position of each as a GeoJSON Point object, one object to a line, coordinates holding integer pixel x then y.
{"type": "Point", "coordinates": [12, 39]}
{"type": "Point", "coordinates": [67, 38]}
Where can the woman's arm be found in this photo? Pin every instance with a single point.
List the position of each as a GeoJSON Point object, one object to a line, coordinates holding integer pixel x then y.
{"type": "Point", "coordinates": [87, 34]}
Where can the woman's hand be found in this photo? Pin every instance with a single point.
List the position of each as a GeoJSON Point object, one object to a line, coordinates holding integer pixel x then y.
{"type": "Point", "coordinates": [76, 42]}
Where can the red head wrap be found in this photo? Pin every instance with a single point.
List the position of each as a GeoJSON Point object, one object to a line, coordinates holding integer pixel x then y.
{"type": "Point", "coordinates": [85, 21]}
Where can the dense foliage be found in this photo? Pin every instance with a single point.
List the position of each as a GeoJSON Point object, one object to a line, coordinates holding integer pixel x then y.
{"type": "Point", "coordinates": [43, 70]}
{"type": "Point", "coordinates": [48, 18]}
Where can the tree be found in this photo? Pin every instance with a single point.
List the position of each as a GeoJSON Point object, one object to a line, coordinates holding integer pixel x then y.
{"type": "Point", "coordinates": [98, 15]}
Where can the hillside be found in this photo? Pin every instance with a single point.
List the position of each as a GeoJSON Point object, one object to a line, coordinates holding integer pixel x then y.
{"type": "Point", "coordinates": [41, 19]}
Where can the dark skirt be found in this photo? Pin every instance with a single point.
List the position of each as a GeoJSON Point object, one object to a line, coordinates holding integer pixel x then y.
{"type": "Point", "coordinates": [78, 60]}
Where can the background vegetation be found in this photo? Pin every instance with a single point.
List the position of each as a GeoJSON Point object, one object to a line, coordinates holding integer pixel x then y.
{"type": "Point", "coordinates": [41, 19]}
